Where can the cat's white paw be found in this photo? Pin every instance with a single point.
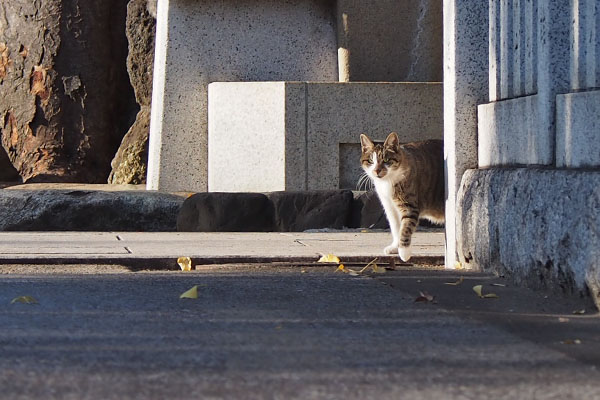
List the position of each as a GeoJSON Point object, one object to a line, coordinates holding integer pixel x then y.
{"type": "Point", "coordinates": [391, 249]}
{"type": "Point", "coordinates": [404, 253]}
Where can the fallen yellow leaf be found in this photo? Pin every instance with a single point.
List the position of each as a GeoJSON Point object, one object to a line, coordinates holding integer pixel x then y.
{"type": "Point", "coordinates": [190, 294]}
{"type": "Point", "coordinates": [579, 312]}
{"type": "Point", "coordinates": [185, 263]}
{"type": "Point", "coordinates": [341, 268]}
{"type": "Point", "coordinates": [458, 282]}
{"type": "Point", "coordinates": [329, 258]}
{"type": "Point", "coordinates": [478, 288]}
{"type": "Point", "coordinates": [352, 272]}
{"type": "Point", "coordinates": [24, 300]}
{"type": "Point", "coordinates": [378, 270]}
{"type": "Point", "coordinates": [458, 265]}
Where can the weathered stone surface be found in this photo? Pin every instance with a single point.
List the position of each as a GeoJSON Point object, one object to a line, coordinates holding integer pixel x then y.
{"type": "Point", "coordinates": [226, 212]}
{"type": "Point", "coordinates": [299, 211]}
{"type": "Point", "coordinates": [367, 211]}
{"type": "Point", "coordinates": [65, 97]}
{"type": "Point", "coordinates": [130, 162]}
{"type": "Point", "coordinates": [8, 173]}
{"type": "Point", "coordinates": [539, 226]}
{"type": "Point", "coordinates": [86, 210]}
{"type": "Point", "coordinates": [140, 29]}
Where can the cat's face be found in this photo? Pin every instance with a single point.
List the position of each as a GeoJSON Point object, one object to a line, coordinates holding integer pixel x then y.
{"type": "Point", "coordinates": [380, 161]}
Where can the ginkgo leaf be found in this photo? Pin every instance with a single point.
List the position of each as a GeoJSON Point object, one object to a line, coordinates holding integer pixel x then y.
{"type": "Point", "coordinates": [185, 263]}
{"type": "Point", "coordinates": [378, 270]}
{"type": "Point", "coordinates": [24, 300]}
{"type": "Point", "coordinates": [478, 289]}
{"type": "Point", "coordinates": [341, 267]}
{"type": "Point", "coordinates": [490, 296]}
{"type": "Point", "coordinates": [190, 294]}
{"type": "Point", "coordinates": [458, 282]}
{"type": "Point", "coordinates": [458, 265]}
{"type": "Point", "coordinates": [329, 258]}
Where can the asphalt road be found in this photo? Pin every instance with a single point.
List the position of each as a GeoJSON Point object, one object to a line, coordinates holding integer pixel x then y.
{"type": "Point", "coordinates": [289, 333]}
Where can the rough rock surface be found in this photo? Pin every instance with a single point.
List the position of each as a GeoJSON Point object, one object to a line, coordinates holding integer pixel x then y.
{"type": "Point", "coordinates": [65, 97]}
{"type": "Point", "coordinates": [87, 210]}
{"type": "Point", "coordinates": [539, 226]}
{"type": "Point", "coordinates": [367, 211]}
{"type": "Point", "coordinates": [299, 211]}
{"type": "Point", "coordinates": [226, 212]}
{"type": "Point", "coordinates": [130, 162]}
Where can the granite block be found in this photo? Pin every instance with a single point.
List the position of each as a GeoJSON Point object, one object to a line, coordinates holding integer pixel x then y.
{"type": "Point", "coordinates": [509, 134]}
{"type": "Point", "coordinates": [304, 136]}
{"type": "Point", "coordinates": [199, 42]}
{"type": "Point", "coordinates": [226, 212]}
{"type": "Point", "coordinates": [317, 209]}
{"type": "Point", "coordinates": [578, 130]}
{"type": "Point", "coordinates": [390, 41]}
{"type": "Point", "coordinates": [256, 136]}
{"type": "Point", "coordinates": [538, 226]}
{"type": "Point", "coordinates": [466, 61]}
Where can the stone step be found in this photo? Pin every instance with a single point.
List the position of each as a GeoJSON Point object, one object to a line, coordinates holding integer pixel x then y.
{"type": "Point", "coordinates": [84, 207]}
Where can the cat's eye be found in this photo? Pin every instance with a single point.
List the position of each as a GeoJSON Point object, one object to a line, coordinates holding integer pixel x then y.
{"type": "Point", "coordinates": [369, 161]}
{"type": "Point", "coordinates": [386, 160]}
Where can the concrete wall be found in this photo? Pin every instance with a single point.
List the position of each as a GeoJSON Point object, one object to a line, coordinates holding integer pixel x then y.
{"type": "Point", "coordinates": [270, 136]}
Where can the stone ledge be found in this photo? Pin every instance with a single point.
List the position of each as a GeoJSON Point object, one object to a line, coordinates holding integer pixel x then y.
{"type": "Point", "coordinates": [538, 226]}
{"type": "Point", "coordinates": [87, 210]}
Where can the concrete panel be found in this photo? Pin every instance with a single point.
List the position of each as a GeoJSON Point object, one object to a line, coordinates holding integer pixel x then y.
{"type": "Point", "coordinates": [509, 134]}
{"type": "Point", "coordinates": [466, 56]}
{"type": "Point", "coordinates": [304, 136]}
{"type": "Point", "coordinates": [390, 40]}
{"type": "Point", "coordinates": [538, 225]}
{"type": "Point", "coordinates": [578, 130]}
{"type": "Point", "coordinates": [199, 42]}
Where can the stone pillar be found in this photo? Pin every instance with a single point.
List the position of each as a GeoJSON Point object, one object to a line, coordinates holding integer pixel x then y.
{"type": "Point", "coordinates": [465, 86]}
{"type": "Point", "coordinates": [199, 42]}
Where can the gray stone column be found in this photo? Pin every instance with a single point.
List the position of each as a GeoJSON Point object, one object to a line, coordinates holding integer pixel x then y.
{"type": "Point", "coordinates": [465, 86]}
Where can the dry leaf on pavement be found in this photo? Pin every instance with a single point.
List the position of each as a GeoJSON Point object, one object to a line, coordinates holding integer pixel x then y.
{"type": "Point", "coordinates": [24, 300]}
{"type": "Point", "coordinates": [458, 282]}
{"type": "Point", "coordinates": [190, 294]}
{"type": "Point", "coordinates": [478, 289]}
{"type": "Point", "coordinates": [185, 263]}
{"type": "Point", "coordinates": [424, 297]}
{"type": "Point", "coordinates": [329, 258]}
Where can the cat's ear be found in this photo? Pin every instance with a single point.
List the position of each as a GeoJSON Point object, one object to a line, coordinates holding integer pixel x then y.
{"type": "Point", "coordinates": [366, 143]}
{"type": "Point", "coordinates": [392, 141]}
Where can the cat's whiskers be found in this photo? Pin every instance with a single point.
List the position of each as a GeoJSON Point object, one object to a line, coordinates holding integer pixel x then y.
{"type": "Point", "coordinates": [364, 182]}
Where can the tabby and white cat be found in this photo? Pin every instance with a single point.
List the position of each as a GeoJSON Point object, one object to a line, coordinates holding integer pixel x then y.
{"type": "Point", "coordinates": [409, 180]}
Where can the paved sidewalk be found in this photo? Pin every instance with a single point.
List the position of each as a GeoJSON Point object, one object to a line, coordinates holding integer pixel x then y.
{"type": "Point", "coordinates": [207, 248]}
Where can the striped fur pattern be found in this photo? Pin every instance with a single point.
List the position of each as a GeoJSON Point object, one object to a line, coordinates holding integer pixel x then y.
{"type": "Point", "coordinates": [409, 180]}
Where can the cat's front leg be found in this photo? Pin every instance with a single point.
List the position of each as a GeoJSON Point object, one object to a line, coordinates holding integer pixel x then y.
{"type": "Point", "coordinates": [408, 225]}
{"type": "Point", "coordinates": [394, 221]}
